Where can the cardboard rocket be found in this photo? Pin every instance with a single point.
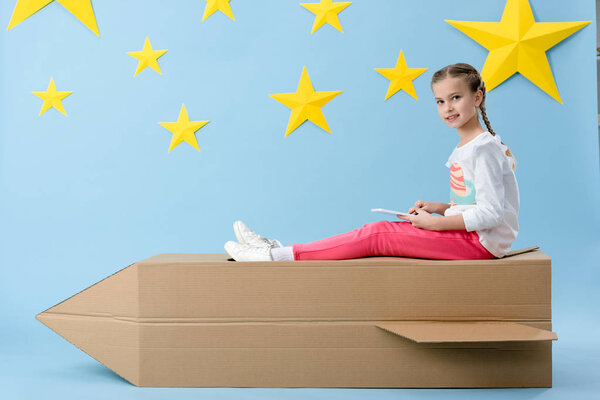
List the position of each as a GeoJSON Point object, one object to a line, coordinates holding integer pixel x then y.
{"type": "Point", "coordinates": [201, 320]}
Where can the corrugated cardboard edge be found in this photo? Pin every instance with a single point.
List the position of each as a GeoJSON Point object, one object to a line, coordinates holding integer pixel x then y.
{"type": "Point", "coordinates": [464, 332]}
{"type": "Point", "coordinates": [521, 251]}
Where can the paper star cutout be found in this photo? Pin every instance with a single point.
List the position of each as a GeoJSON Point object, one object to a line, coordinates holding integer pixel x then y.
{"type": "Point", "coordinates": [518, 44]}
{"type": "Point", "coordinates": [183, 129]}
{"type": "Point", "coordinates": [401, 77]}
{"type": "Point", "coordinates": [213, 5]}
{"type": "Point", "coordinates": [52, 98]}
{"type": "Point", "coordinates": [81, 9]}
{"type": "Point", "coordinates": [147, 57]}
{"type": "Point", "coordinates": [326, 11]}
{"type": "Point", "coordinates": [305, 104]}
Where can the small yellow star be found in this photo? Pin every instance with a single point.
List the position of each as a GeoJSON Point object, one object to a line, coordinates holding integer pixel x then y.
{"type": "Point", "coordinates": [183, 129]}
{"type": "Point", "coordinates": [305, 104]}
{"type": "Point", "coordinates": [81, 9]}
{"type": "Point", "coordinates": [518, 44]}
{"type": "Point", "coordinates": [213, 5]}
{"type": "Point", "coordinates": [401, 77]}
{"type": "Point", "coordinates": [147, 57]}
{"type": "Point", "coordinates": [326, 11]}
{"type": "Point", "coordinates": [52, 98]}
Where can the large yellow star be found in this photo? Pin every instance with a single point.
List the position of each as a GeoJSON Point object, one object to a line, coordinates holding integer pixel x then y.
{"type": "Point", "coordinates": [81, 9]}
{"type": "Point", "coordinates": [183, 129]}
{"type": "Point", "coordinates": [326, 11]}
{"type": "Point", "coordinates": [52, 98]}
{"type": "Point", "coordinates": [147, 57]}
{"type": "Point", "coordinates": [401, 77]}
{"type": "Point", "coordinates": [221, 5]}
{"type": "Point", "coordinates": [518, 44]}
{"type": "Point", "coordinates": [305, 104]}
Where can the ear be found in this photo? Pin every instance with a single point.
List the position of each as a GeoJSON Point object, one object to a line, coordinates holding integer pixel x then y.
{"type": "Point", "coordinates": [478, 97]}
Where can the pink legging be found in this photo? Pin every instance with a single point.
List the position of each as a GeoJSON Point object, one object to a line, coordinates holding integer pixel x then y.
{"type": "Point", "coordinates": [396, 239]}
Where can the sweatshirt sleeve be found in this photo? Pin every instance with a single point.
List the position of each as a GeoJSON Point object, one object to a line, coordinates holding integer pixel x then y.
{"type": "Point", "coordinates": [489, 190]}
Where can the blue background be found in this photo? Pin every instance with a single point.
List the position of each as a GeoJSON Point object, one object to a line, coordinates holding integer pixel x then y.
{"type": "Point", "coordinates": [85, 195]}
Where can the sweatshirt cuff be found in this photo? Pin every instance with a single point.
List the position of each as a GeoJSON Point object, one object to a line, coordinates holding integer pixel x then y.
{"type": "Point", "coordinates": [470, 220]}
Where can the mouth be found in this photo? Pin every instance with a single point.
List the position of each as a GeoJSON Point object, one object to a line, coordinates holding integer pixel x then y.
{"type": "Point", "coordinates": [452, 117]}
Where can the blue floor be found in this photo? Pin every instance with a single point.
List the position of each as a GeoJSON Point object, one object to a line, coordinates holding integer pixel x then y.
{"type": "Point", "coordinates": [37, 364]}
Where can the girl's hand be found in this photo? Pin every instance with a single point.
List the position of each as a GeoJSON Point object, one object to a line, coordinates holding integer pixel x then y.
{"type": "Point", "coordinates": [422, 219]}
{"type": "Point", "coordinates": [429, 206]}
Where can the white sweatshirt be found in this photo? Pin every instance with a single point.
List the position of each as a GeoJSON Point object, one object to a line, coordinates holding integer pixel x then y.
{"type": "Point", "coordinates": [484, 189]}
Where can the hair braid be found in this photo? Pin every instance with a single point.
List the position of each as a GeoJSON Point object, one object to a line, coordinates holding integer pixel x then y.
{"type": "Point", "coordinates": [489, 125]}
{"type": "Point", "coordinates": [483, 113]}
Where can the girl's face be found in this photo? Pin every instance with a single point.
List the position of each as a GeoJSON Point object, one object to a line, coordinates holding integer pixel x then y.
{"type": "Point", "coordinates": [456, 104]}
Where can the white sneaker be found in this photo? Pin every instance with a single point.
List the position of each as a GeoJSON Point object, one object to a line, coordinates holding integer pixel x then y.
{"type": "Point", "coordinates": [245, 235]}
{"type": "Point", "coordinates": [246, 252]}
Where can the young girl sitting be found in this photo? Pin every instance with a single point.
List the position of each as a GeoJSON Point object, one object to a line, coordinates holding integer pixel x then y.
{"type": "Point", "coordinates": [479, 223]}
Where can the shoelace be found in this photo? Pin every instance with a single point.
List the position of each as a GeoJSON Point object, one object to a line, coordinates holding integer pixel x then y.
{"type": "Point", "coordinates": [257, 249]}
{"type": "Point", "coordinates": [271, 243]}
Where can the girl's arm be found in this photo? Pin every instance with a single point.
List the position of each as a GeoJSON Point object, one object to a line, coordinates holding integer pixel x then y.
{"type": "Point", "coordinates": [488, 212]}
{"type": "Point", "coordinates": [489, 196]}
{"type": "Point", "coordinates": [449, 223]}
{"type": "Point", "coordinates": [425, 220]}
{"type": "Point", "coordinates": [442, 207]}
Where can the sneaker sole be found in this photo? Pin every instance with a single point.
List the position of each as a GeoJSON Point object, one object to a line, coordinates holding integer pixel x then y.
{"type": "Point", "coordinates": [238, 233]}
{"type": "Point", "coordinates": [230, 248]}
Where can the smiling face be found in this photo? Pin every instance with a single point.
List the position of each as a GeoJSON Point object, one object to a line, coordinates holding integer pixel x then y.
{"type": "Point", "coordinates": [457, 105]}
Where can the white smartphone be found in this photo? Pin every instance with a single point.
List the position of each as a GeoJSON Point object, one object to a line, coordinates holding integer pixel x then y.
{"type": "Point", "coordinates": [383, 210]}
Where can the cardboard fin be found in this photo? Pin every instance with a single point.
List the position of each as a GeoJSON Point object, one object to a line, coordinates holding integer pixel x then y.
{"type": "Point", "coordinates": [521, 251]}
{"type": "Point", "coordinates": [452, 332]}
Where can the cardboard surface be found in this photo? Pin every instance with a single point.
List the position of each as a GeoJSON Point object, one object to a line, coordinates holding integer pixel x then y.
{"type": "Point", "coordinates": [200, 320]}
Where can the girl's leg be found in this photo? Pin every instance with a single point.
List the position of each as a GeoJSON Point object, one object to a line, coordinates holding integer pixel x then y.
{"type": "Point", "coordinates": [396, 239]}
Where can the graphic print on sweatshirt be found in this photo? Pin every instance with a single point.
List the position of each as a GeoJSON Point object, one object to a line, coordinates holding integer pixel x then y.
{"type": "Point", "coordinates": [462, 190]}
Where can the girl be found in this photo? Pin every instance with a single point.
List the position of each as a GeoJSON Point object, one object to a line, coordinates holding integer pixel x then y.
{"type": "Point", "coordinates": [479, 223]}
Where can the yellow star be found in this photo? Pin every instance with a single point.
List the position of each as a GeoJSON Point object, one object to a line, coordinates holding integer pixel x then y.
{"type": "Point", "coordinates": [518, 44]}
{"type": "Point", "coordinates": [213, 5]}
{"type": "Point", "coordinates": [305, 104]}
{"type": "Point", "coordinates": [326, 11]}
{"type": "Point", "coordinates": [401, 77]}
{"type": "Point", "coordinates": [183, 129]}
{"type": "Point", "coordinates": [147, 57]}
{"type": "Point", "coordinates": [52, 98]}
{"type": "Point", "coordinates": [81, 9]}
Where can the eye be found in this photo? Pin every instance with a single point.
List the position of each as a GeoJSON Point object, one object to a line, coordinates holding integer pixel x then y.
{"type": "Point", "coordinates": [456, 96]}
{"type": "Point", "coordinates": [439, 101]}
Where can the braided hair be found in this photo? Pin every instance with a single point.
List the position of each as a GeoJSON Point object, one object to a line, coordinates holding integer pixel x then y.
{"type": "Point", "coordinates": [474, 82]}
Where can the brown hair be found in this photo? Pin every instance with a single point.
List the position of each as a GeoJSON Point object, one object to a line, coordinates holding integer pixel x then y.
{"type": "Point", "coordinates": [474, 82]}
